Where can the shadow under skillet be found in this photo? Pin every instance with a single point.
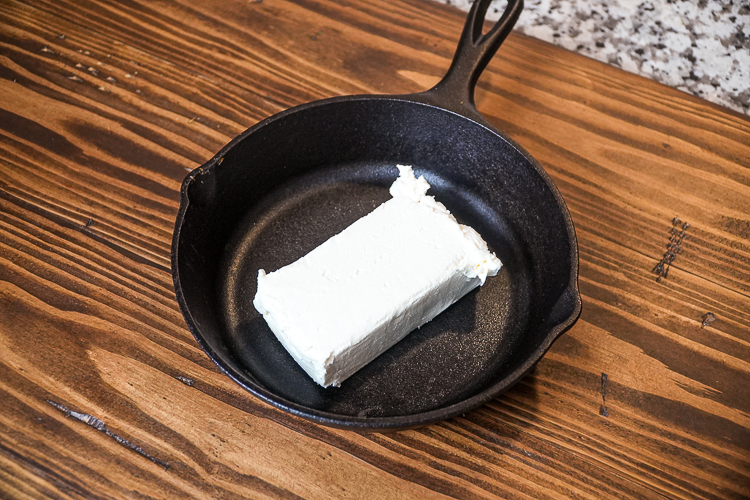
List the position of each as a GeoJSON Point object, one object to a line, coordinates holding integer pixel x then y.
{"type": "Point", "coordinates": [453, 357]}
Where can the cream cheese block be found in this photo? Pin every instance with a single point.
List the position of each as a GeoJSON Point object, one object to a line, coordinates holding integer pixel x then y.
{"type": "Point", "coordinates": [349, 300]}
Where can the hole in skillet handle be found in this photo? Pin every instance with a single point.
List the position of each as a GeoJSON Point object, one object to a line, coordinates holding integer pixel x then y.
{"type": "Point", "coordinates": [475, 50]}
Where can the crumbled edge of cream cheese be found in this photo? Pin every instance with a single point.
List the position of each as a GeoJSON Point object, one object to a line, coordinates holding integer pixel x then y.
{"type": "Point", "coordinates": [409, 186]}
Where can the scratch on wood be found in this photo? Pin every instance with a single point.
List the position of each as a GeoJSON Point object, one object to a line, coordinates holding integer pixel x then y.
{"type": "Point", "coordinates": [185, 380]}
{"type": "Point", "coordinates": [677, 234]}
{"type": "Point", "coordinates": [89, 222]}
{"type": "Point", "coordinates": [97, 424]}
{"type": "Point", "coordinates": [603, 411]}
{"type": "Point", "coordinates": [709, 317]}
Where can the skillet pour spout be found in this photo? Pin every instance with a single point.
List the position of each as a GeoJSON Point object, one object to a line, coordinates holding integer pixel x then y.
{"type": "Point", "coordinates": [292, 181]}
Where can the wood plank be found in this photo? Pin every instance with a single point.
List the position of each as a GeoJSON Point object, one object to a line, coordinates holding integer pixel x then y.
{"type": "Point", "coordinates": [97, 129]}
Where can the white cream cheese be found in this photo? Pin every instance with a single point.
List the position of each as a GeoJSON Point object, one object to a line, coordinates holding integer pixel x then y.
{"type": "Point", "coordinates": [346, 302]}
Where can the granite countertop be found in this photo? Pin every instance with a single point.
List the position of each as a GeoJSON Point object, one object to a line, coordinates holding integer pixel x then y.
{"type": "Point", "coordinates": [697, 46]}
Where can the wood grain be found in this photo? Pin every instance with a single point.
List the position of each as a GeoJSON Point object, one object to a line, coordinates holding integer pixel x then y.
{"type": "Point", "coordinates": [105, 106]}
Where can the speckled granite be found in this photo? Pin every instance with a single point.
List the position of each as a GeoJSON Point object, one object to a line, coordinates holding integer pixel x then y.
{"type": "Point", "coordinates": [698, 46]}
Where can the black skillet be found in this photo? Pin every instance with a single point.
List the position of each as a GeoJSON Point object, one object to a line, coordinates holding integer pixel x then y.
{"type": "Point", "coordinates": [297, 178]}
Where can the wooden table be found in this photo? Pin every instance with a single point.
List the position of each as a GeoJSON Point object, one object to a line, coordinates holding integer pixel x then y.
{"type": "Point", "coordinates": [106, 105]}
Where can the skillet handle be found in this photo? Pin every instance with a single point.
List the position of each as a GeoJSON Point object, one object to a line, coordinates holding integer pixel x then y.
{"type": "Point", "coordinates": [475, 50]}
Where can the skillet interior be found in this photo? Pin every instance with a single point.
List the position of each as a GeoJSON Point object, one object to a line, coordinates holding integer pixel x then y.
{"type": "Point", "coordinates": [295, 180]}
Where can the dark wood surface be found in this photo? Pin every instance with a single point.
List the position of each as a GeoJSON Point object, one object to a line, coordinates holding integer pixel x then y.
{"type": "Point", "coordinates": [105, 106]}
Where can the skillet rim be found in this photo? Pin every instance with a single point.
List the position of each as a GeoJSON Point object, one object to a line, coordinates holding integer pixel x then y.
{"type": "Point", "coordinates": [400, 422]}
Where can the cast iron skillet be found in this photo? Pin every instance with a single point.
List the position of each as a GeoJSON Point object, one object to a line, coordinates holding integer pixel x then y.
{"type": "Point", "coordinates": [297, 178]}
